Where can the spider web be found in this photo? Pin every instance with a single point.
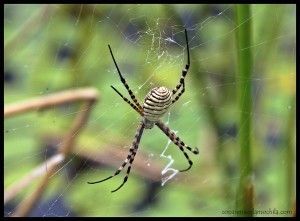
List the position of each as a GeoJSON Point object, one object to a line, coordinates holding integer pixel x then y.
{"type": "Point", "coordinates": [55, 48]}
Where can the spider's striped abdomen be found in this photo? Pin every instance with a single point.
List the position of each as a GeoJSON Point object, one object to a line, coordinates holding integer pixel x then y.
{"type": "Point", "coordinates": [156, 103]}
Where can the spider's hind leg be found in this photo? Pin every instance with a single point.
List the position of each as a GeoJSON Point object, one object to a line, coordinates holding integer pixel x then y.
{"type": "Point", "coordinates": [130, 157]}
{"type": "Point", "coordinates": [118, 171]}
{"type": "Point", "coordinates": [176, 140]}
{"type": "Point", "coordinates": [127, 173]}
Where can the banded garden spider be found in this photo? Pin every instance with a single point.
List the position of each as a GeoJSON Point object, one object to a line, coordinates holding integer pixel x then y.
{"type": "Point", "coordinates": [156, 104]}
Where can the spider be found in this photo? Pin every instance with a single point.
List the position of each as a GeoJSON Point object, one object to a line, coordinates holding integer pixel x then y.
{"type": "Point", "coordinates": [155, 105]}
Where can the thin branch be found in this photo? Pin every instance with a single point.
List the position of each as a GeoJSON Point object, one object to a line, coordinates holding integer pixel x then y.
{"type": "Point", "coordinates": [109, 156]}
{"type": "Point", "coordinates": [18, 186]}
{"type": "Point", "coordinates": [47, 101]}
{"type": "Point", "coordinates": [89, 95]}
{"type": "Point", "coordinates": [31, 200]}
{"type": "Point", "coordinates": [79, 122]}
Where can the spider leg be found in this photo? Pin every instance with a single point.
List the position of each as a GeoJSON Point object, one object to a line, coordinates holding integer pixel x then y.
{"type": "Point", "coordinates": [118, 171]}
{"type": "Point", "coordinates": [176, 140]}
{"type": "Point", "coordinates": [135, 146]}
{"type": "Point", "coordinates": [130, 157]}
{"type": "Point", "coordinates": [179, 94]}
{"type": "Point", "coordinates": [124, 81]}
{"type": "Point", "coordinates": [127, 173]}
{"type": "Point", "coordinates": [184, 72]}
{"type": "Point", "coordinates": [128, 101]}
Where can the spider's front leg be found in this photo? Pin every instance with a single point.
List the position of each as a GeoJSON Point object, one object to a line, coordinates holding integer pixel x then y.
{"type": "Point", "coordinates": [132, 96]}
{"type": "Point", "coordinates": [128, 101]}
{"type": "Point", "coordinates": [130, 157]}
{"type": "Point", "coordinates": [176, 140]}
{"type": "Point", "coordinates": [184, 73]}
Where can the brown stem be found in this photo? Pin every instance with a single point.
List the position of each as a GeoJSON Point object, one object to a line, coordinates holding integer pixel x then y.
{"type": "Point", "coordinates": [47, 101]}
{"type": "Point", "coordinates": [15, 188]}
{"type": "Point", "coordinates": [88, 95]}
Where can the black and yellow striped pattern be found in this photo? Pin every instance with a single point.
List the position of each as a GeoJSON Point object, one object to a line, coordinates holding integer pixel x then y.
{"type": "Point", "coordinates": [157, 103]}
{"type": "Point", "coordinates": [178, 142]}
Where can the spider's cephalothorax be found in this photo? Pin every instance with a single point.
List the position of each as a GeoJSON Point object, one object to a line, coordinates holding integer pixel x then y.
{"type": "Point", "coordinates": [156, 104]}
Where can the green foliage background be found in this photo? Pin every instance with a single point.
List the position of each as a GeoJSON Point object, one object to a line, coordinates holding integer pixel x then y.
{"type": "Point", "coordinates": [203, 117]}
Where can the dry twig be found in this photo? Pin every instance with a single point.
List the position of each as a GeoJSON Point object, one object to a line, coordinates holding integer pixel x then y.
{"type": "Point", "coordinates": [89, 96]}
